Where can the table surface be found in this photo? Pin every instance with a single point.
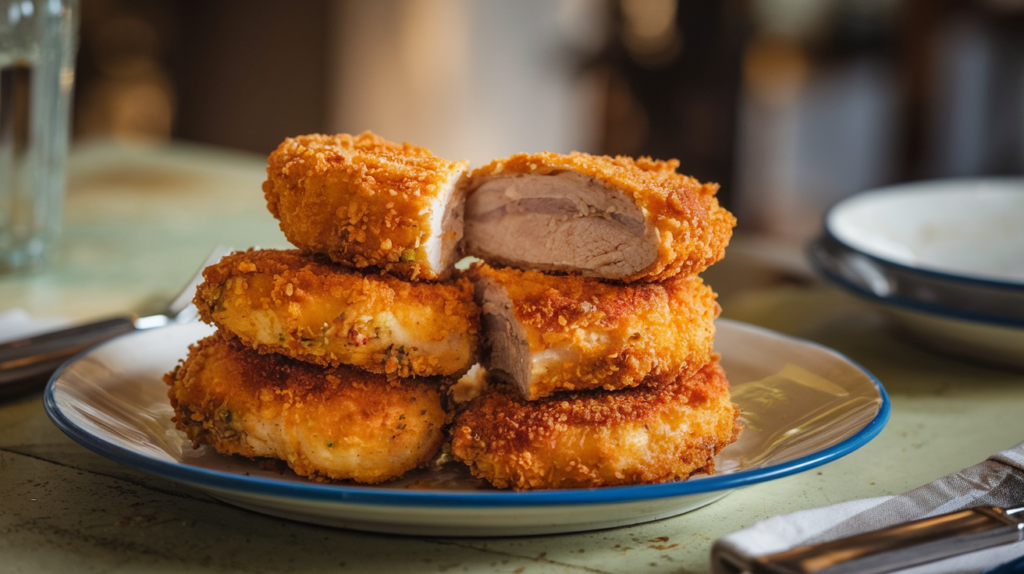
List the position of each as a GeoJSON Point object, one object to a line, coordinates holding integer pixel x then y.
{"type": "Point", "coordinates": [139, 220]}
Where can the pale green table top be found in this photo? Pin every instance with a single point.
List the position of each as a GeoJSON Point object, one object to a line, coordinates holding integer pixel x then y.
{"type": "Point", "coordinates": [138, 222]}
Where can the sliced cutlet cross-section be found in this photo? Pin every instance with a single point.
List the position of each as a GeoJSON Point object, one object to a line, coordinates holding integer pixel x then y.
{"type": "Point", "coordinates": [548, 333]}
{"type": "Point", "coordinates": [597, 216]}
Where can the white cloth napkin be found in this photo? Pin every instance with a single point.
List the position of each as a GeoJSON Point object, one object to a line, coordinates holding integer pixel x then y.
{"type": "Point", "coordinates": [999, 481]}
{"type": "Point", "coordinates": [17, 324]}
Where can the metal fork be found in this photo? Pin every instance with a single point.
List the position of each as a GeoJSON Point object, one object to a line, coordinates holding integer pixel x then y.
{"type": "Point", "coordinates": [28, 363]}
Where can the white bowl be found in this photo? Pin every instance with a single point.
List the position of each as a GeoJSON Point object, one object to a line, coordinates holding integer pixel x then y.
{"type": "Point", "coordinates": [944, 259]}
{"type": "Point", "coordinates": [964, 327]}
{"type": "Point", "coordinates": [966, 229]}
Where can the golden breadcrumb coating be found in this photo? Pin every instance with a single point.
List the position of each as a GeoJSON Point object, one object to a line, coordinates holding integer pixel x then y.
{"type": "Point", "coordinates": [692, 229]}
{"type": "Point", "coordinates": [648, 434]}
{"type": "Point", "coordinates": [368, 202]}
{"type": "Point", "coordinates": [586, 334]}
{"type": "Point", "coordinates": [308, 308]}
{"type": "Point", "coordinates": [325, 423]}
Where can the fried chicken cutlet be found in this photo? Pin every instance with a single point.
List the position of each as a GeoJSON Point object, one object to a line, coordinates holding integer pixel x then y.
{"type": "Point", "coordinates": [325, 423]}
{"type": "Point", "coordinates": [368, 202]}
{"type": "Point", "coordinates": [548, 333]}
{"type": "Point", "coordinates": [308, 308]}
{"type": "Point", "coordinates": [598, 216]}
{"type": "Point", "coordinates": [647, 434]}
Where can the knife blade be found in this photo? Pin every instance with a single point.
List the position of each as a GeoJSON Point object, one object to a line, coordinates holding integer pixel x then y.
{"type": "Point", "coordinates": [896, 547]}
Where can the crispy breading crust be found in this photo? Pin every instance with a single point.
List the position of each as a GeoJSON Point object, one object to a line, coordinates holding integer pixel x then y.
{"type": "Point", "coordinates": [308, 308]}
{"type": "Point", "coordinates": [326, 424]}
{"type": "Point", "coordinates": [693, 230]}
{"type": "Point", "coordinates": [362, 200]}
{"type": "Point", "coordinates": [614, 336]}
{"type": "Point", "coordinates": [647, 434]}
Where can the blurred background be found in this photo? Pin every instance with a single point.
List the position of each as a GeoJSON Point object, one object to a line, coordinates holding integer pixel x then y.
{"type": "Point", "coordinates": [789, 104]}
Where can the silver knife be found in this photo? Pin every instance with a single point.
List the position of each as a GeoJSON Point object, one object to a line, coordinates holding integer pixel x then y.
{"type": "Point", "coordinates": [893, 548]}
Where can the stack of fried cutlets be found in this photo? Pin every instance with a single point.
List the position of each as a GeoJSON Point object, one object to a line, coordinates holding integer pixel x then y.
{"type": "Point", "coordinates": [597, 332]}
{"type": "Point", "coordinates": [335, 357]}
{"type": "Point", "coordinates": [599, 326]}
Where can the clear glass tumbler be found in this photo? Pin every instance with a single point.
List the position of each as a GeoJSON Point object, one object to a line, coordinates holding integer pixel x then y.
{"type": "Point", "coordinates": [38, 41]}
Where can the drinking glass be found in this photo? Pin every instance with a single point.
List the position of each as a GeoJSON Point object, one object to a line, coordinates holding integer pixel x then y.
{"type": "Point", "coordinates": [38, 41]}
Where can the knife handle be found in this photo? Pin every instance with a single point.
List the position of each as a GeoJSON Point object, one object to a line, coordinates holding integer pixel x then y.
{"type": "Point", "coordinates": [36, 357]}
{"type": "Point", "coordinates": [899, 546]}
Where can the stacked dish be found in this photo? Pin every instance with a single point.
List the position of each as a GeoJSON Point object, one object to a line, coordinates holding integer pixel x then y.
{"type": "Point", "coordinates": [943, 259]}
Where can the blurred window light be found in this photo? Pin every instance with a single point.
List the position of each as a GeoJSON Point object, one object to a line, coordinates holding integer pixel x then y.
{"type": "Point", "coordinates": [820, 110]}
{"type": "Point", "coordinates": [14, 14]}
{"type": "Point", "coordinates": [627, 124]}
{"type": "Point", "coordinates": [774, 70]}
{"type": "Point", "coordinates": [583, 24]}
{"type": "Point", "coordinates": [650, 32]}
{"type": "Point", "coordinates": [131, 96]}
{"type": "Point", "coordinates": [67, 78]}
{"type": "Point", "coordinates": [650, 19]}
{"type": "Point", "coordinates": [796, 19]}
{"type": "Point", "coordinates": [142, 111]}
{"type": "Point", "coordinates": [27, 9]}
{"type": "Point", "coordinates": [434, 62]}
{"type": "Point", "coordinates": [138, 110]}
{"type": "Point", "coordinates": [466, 79]}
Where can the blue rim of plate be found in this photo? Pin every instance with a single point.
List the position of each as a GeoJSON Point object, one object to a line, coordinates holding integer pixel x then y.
{"type": "Point", "coordinates": [934, 273]}
{"type": "Point", "coordinates": [369, 495]}
{"type": "Point", "coordinates": [902, 302]}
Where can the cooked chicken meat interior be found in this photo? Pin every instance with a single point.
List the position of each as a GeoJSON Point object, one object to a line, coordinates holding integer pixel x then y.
{"type": "Point", "coordinates": [562, 221]}
{"type": "Point", "coordinates": [597, 216]}
{"type": "Point", "coordinates": [548, 334]}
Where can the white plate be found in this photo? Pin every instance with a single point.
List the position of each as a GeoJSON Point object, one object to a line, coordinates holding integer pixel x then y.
{"type": "Point", "coordinates": [803, 405]}
{"type": "Point", "coordinates": [969, 229]}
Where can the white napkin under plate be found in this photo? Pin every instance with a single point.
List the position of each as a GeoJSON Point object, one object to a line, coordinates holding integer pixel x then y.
{"type": "Point", "coordinates": [998, 481]}
{"type": "Point", "coordinates": [17, 324]}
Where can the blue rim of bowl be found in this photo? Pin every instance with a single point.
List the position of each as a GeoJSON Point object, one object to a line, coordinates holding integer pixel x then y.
{"type": "Point", "coordinates": [903, 302]}
{"type": "Point", "coordinates": [934, 273]}
{"type": "Point", "coordinates": [369, 495]}
{"type": "Point", "coordinates": [940, 275]}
